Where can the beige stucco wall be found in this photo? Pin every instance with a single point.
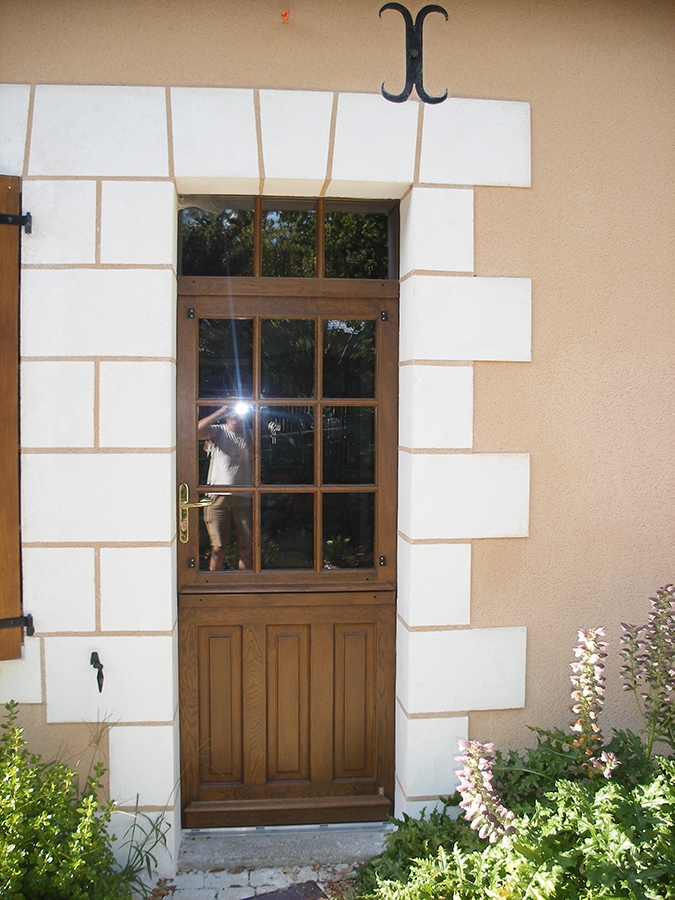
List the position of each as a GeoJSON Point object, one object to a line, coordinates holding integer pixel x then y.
{"type": "Point", "coordinates": [595, 232]}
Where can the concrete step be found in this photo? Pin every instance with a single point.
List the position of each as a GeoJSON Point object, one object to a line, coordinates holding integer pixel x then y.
{"type": "Point", "coordinates": [285, 845]}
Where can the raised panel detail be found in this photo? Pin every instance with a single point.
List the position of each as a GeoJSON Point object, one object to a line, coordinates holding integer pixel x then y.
{"type": "Point", "coordinates": [288, 702]}
{"type": "Point", "coordinates": [221, 701]}
{"type": "Point", "coordinates": [354, 700]}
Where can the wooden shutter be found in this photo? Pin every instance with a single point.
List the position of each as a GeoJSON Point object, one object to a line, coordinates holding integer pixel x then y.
{"type": "Point", "coordinates": [10, 553]}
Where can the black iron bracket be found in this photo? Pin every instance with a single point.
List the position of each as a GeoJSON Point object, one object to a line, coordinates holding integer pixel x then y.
{"type": "Point", "coordinates": [20, 622]}
{"type": "Point", "coordinates": [25, 221]}
{"type": "Point", "coordinates": [413, 53]}
{"type": "Point", "coordinates": [98, 665]}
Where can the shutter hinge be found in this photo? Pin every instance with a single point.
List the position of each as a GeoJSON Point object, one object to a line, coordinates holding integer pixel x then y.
{"type": "Point", "coordinates": [20, 622]}
{"type": "Point", "coordinates": [25, 221]}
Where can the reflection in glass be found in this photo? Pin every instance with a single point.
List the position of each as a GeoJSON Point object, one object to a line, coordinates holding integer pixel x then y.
{"type": "Point", "coordinates": [349, 445]}
{"type": "Point", "coordinates": [287, 531]}
{"type": "Point", "coordinates": [287, 445]}
{"type": "Point", "coordinates": [225, 358]}
{"type": "Point", "coordinates": [225, 540]}
{"type": "Point", "coordinates": [357, 245]}
{"type": "Point", "coordinates": [225, 452]}
{"type": "Point", "coordinates": [348, 530]}
{"type": "Point", "coordinates": [289, 240]}
{"type": "Point", "coordinates": [217, 243]}
{"type": "Point", "coordinates": [348, 358]}
{"type": "Point", "coordinates": [287, 350]}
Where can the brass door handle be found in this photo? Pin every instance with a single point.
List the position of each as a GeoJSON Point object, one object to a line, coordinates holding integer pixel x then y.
{"type": "Point", "coordinates": [183, 506]}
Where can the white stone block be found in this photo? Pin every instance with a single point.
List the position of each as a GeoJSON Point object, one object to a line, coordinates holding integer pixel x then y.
{"type": "Point", "coordinates": [457, 671]}
{"type": "Point", "coordinates": [295, 135]}
{"type": "Point", "coordinates": [459, 318]}
{"type": "Point", "coordinates": [166, 857]}
{"type": "Point", "coordinates": [98, 497]}
{"type": "Point", "coordinates": [425, 753]}
{"type": "Point", "coordinates": [21, 679]}
{"type": "Point", "coordinates": [87, 312]}
{"type": "Point", "coordinates": [137, 588]}
{"type": "Point", "coordinates": [464, 495]}
{"type": "Point", "coordinates": [434, 583]}
{"type": "Point", "coordinates": [127, 419]}
{"type": "Point", "coordinates": [412, 808]}
{"type": "Point", "coordinates": [57, 404]}
{"type": "Point", "coordinates": [374, 143]}
{"type": "Point", "coordinates": [436, 406]}
{"type": "Point", "coordinates": [476, 142]}
{"type": "Point", "coordinates": [214, 137]}
{"type": "Point", "coordinates": [99, 130]}
{"type": "Point", "coordinates": [141, 765]}
{"type": "Point", "coordinates": [64, 222]}
{"type": "Point", "coordinates": [14, 100]}
{"type": "Point", "coordinates": [137, 672]}
{"type": "Point", "coordinates": [59, 589]}
{"type": "Point", "coordinates": [437, 230]}
{"type": "Point", "coordinates": [138, 223]}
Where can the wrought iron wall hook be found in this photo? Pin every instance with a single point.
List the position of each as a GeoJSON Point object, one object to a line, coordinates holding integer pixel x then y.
{"type": "Point", "coordinates": [98, 665]}
{"type": "Point", "coordinates": [413, 52]}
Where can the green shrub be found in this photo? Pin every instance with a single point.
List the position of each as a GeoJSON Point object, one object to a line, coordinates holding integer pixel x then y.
{"type": "Point", "coordinates": [54, 842]}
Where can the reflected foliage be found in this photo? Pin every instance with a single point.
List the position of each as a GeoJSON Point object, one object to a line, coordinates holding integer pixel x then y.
{"type": "Point", "coordinates": [217, 243]}
{"type": "Point", "coordinates": [289, 244]}
{"type": "Point", "coordinates": [287, 445]}
{"type": "Point", "coordinates": [287, 531]}
{"type": "Point", "coordinates": [348, 530]}
{"type": "Point", "coordinates": [357, 245]}
{"type": "Point", "coordinates": [225, 358]}
{"type": "Point", "coordinates": [287, 349]}
{"type": "Point", "coordinates": [349, 445]}
{"type": "Point", "coordinates": [348, 358]}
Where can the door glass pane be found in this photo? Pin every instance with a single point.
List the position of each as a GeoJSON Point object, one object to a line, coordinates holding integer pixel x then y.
{"type": "Point", "coordinates": [225, 358]}
{"type": "Point", "coordinates": [287, 445]}
{"type": "Point", "coordinates": [288, 239]}
{"type": "Point", "coordinates": [217, 242]}
{"type": "Point", "coordinates": [287, 351]}
{"type": "Point", "coordinates": [348, 358]}
{"type": "Point", "coordinates": [225, 540]}
{"type": "Point", "coordinates": [225, 444]}
{"type": "Point", "coordinates": [357, 245]}
{"type": "Point", "coordinates": [349, 445]}
{"type": "Point", "coordinates": [348, 531]}
{"type": "Point", "coordinates": [287, 531]}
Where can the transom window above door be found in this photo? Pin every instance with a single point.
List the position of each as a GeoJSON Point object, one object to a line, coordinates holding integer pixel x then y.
{"type": "Point", "coordinates": [268, 237]}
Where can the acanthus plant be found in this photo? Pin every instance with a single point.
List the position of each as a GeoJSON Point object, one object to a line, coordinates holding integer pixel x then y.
{"type": "Point", "coordinates": [649, 668]}
{"type": "Point", "coordinates": [480, 801]}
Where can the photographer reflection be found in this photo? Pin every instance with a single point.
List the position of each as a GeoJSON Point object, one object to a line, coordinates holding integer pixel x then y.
{"type": "Point", "coordinates": [229, 449]}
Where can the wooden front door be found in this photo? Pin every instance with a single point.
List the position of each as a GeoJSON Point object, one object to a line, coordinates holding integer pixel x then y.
{"type": "Point", "coordinates": [287, 397]}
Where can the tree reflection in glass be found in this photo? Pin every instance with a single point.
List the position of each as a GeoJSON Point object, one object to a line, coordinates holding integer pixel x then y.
{"type": "Point", "coordinates": [348, 358]}
{"type": "Point", "coordinates": [287, 531]}
{"type": "Point", "coordinates": [287, 351]}
{"type": "Point", "coordinates": [289, 241]}
{"type": "Point", "coordinates": [348, 445]}
{"type": "Point", "coordinates": [217, 243]}
{"type": "Point", "coordinates": [225, 358]}
{"type": "Point", "coordinates": [348, 530]}
{"type": "Point", "coordinates": [357, 245]}
{"type": "Point", "coordinates": [287, 445]}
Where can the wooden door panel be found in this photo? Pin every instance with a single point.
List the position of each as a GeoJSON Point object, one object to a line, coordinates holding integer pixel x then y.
{"type": "Point", "coordinates": [354, 701]}
{"type": "Point", "coordinates": [315, 712]}
{"type": "Point", "coordinates": [287, 703]}
{"type": "Point", "coordinates": [221, 758]}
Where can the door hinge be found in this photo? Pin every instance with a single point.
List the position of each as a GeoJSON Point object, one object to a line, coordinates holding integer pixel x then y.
{"type": "Point", "coordinates": [190, 313]}
{"type": "Point", "coordinates": [384, 316]}
{"type": "Point", "coordinates": [383, 560]}
{"type": "Point", "coordinates": [25, 221]}
{"type": "Point", "coordinates": [20, 622]}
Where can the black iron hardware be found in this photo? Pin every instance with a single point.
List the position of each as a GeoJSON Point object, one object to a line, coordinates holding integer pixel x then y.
{"type": "Point", "coordinates": [25, 221]}
{"type": "Point", "coordinates": [98, 665]}
{"type": "Point", "coordinates": [191, 562]}
{"type": "Point", "coordinates": [413, 53]}
{"type": "Point", "coordinates": [190, 313]}
{"type": "Point", "coordinates": [384, 316]}
{"type": "Point", "coordinates": [383, 560]}
{"type": "Point", "coordinates": [20, 622]}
